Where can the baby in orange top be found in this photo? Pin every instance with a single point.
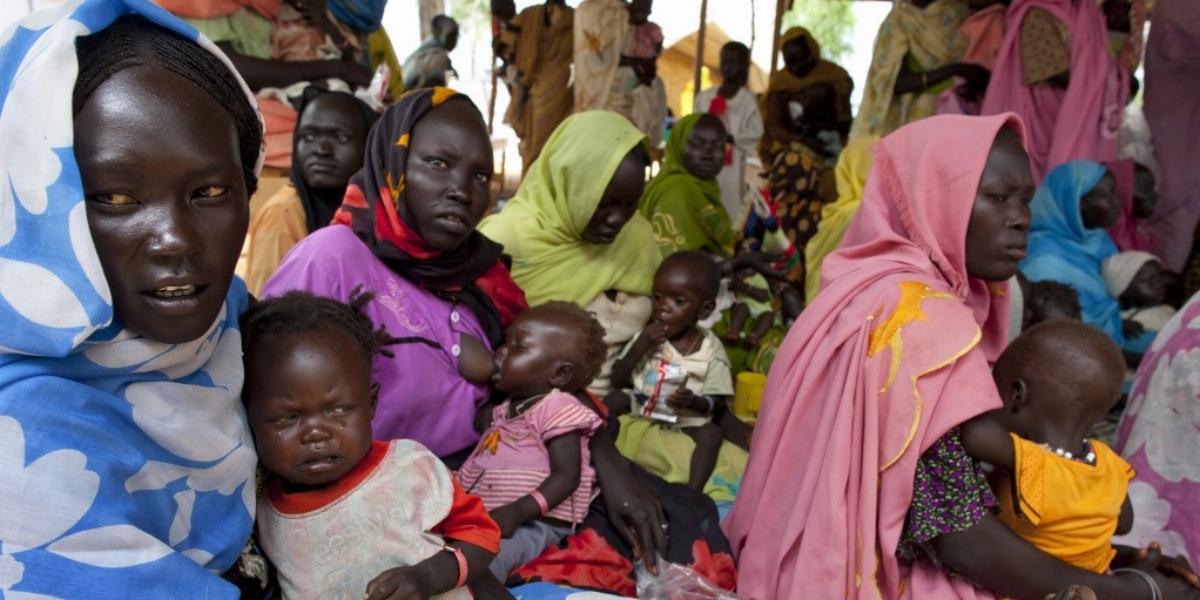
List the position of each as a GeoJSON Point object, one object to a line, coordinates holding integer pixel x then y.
{"type": "Point", "coordinates": [1058, 490]}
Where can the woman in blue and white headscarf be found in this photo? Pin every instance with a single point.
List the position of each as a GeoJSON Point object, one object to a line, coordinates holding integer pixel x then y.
{"type": "Point", "coordinates": [1068, 242]}
{"type": "Point", "coordinates": [130, 149]}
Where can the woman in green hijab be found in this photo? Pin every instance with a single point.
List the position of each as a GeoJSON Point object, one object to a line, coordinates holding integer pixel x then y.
{"type": "Point", "coordinates": [572, 228]}
{"type": "Point", "coordinates": [683, 202]}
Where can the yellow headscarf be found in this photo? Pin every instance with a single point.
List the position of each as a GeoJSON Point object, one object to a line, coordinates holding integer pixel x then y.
{"type": "Point", "coordinates": [542, 226]}
{"type": "Point", "coordinates": [853, 166]}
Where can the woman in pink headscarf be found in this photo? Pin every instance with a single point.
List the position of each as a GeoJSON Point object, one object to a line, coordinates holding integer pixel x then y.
{"type": "Point", "coordinates": [1055, 71]}
{"type": "Point", "coordinates": [858, 428]}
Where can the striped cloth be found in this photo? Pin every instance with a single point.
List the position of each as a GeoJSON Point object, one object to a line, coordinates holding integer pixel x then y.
{"type": "Point", "coordinates": [512, 460]}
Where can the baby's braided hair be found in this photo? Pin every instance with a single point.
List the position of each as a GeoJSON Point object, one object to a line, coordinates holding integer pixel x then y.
{"type": "Point", "coordinates": [133, 41]}
{"type": "Point", "coordinates": [299, 312]}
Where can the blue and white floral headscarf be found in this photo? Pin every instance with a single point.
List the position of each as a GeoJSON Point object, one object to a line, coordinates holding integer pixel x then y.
{"type": "Point", "coordinates": [126, 465]}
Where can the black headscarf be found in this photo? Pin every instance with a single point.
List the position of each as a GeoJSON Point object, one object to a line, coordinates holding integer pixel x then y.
{"type": "Point", "coordinates": [376, 208]}
{"type": "Point", "coordinates": [318, 214]}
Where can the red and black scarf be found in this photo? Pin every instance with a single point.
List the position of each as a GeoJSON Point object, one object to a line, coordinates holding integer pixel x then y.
{"type": "Point", "coordinates": [376, 209]}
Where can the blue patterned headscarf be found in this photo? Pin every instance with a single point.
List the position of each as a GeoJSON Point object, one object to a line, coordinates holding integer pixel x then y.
{"type": "Point", "coordinates": [126, 464]}
{"type": "Point", "coordinates": [1062, 249]}
{"type": "Point", "coordinates": [363, 15]}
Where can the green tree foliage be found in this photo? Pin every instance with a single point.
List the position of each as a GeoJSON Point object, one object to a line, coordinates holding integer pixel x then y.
{"type": "Point", "coordinates": [830, 21]}
{"type": "Point", "coordinates": [474, 17]}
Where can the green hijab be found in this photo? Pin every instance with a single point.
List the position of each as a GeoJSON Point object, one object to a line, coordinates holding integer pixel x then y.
{"type": "Point", "coordinates": [542, 226]}
{"type": "Point", "coordinates": [685, 211]}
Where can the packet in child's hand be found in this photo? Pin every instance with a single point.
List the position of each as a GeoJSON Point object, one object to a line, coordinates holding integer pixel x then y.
{"type": "Point", "coordinates": [664, 380]}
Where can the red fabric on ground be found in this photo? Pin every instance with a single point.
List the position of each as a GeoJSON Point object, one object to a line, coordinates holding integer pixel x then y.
{"type": "Point", "coordinates": [587, 562]}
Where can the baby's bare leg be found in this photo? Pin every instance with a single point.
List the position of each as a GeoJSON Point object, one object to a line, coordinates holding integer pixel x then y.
{"type": "Point", "coordinates": [792, 302]}
{"type": "Point", "coordinates": [738, 315]}
{"type": "Point", "coordinates": [704, 457]}
{"type": "Point", "coordinates": [761, 327]}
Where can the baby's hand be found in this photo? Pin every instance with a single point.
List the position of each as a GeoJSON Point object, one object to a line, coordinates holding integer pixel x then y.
{"type": "Point", "coordinates": [682, 399]}
{"type": "Point", "coordinates": [506, 518]}
{"type": "Point", "coordinates": [1075, 592]}
{"type": "Point", "coordinates": [1132, 329]}
{"type": "Point", "coordinates": [1176, 566]}
{"type": "Point", "coordinates": [1151, 560]}
{"type": "Point", "coordinates": [400, 583]}
{"type": "Point", "coordinates": [655, 332]}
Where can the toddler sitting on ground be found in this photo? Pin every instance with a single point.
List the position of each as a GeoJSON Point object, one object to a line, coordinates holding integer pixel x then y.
{"type": "Point", "coordinates": [532, 467]}
{"type": "Point", "coordinates": [341, 514]}
{"type": "Point", "coordinates": [755, 301]}
{"type": "Point", "coordinates": [676, 372]}
{"type": "Point", "coordinates": [1060, 491]}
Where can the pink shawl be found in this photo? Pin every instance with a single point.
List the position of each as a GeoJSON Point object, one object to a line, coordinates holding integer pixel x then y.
{"type": "Point", "coordinates": [984, 31]}
{"type": "Point", "coordinates": [892, 354]}
{"type": "Point", "coordinates": [1080, 123]}
{"type": "Point", "coordinates": [1173, 111]}
{"type": "Point", "coordinates": [1129, 233]}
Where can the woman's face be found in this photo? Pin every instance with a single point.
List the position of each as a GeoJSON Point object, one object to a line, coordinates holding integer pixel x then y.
{"type": "Point", "coordinates": [798, 58]}
{"type": "Point", "coordinates": [998, 230]}
{"type": "Point", "coordinates": [449, 167]}
{"type": "Point", "coordinates": [166, 199]}
{"type": "Point", "coordinates": [619, 202]}
{"type": "Point", "coordinates": [1100, 207]}
{"type": "Point", "coordinates": [330, 138]}
{"type": "Point", "coordinates": [704, 153]}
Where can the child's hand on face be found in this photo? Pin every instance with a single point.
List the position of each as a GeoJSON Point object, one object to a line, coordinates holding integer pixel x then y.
{"type": "Point", "coordinates": [400, 583]}
{"type": "Point", "coordinates": [683, 399]}
{"type": "Point", "coordinates": [655, 332]}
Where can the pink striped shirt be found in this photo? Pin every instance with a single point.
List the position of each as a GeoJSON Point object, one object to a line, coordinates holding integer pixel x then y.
{"type": "Point", "coordinates": [511, 460]}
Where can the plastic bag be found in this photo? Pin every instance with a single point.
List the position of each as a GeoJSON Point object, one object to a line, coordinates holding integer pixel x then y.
{"type": "Point", "coordinates": [677, 582]}
{"type": "Point", "coordinates": [664, 380]}
{"type": "Point", "coordinates": [375, 93]}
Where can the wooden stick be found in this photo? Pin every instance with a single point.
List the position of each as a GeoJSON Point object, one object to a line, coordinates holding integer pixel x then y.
{"type": "Point", "coordinates": [700, 49]}
{"type": "Point", "coordinates": [492, 98]}
{"type": "Point", "coordinates": [780, 8]}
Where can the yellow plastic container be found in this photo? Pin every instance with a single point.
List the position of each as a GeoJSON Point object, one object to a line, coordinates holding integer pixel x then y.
{"type": "Point", "coordinates": [747, 395]}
